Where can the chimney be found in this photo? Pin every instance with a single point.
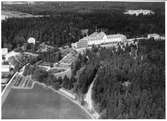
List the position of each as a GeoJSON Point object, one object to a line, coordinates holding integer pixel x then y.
{"type": "Point", "coordinates": [96, 29]}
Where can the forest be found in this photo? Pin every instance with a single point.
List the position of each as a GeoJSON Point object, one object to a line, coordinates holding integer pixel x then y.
{"type": "Point", "coordinates": [66, 28]}
{"type": "Point", "coordinates": [128, 83]}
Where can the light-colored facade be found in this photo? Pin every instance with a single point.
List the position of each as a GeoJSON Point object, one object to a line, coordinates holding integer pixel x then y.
{"type": "Point", "coordinates": [138, 12]}
{"type": "Point", "coordinates": [98, 38]}
{"type": "Point", "coordinates": [4, 51]}
{"type": "Point", "coordinates": [155, 36]}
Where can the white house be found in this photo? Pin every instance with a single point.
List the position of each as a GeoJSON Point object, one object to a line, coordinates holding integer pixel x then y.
{"type": "Point", "coordinates": [74, 45]}
{"type": "Point", "coordinates": [4, 51]}
{"type": "Point", "coordinates": [155, 36]}
{"type": "Point", "coordinates": [31, 40]}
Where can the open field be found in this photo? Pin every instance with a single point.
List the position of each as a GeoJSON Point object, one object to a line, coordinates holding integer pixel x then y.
{"type": "Point", "coordinates": [40, 102]}
{"type": "Point", "coordinates": [16, 14]}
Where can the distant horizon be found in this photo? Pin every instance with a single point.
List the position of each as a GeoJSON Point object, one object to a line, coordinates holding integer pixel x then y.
{"type": "Point", "coordinates": [31, 2]}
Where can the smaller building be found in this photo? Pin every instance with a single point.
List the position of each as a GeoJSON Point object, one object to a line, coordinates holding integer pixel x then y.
{"type": "Point", "coordinates": [6, 72]}
{"type": "Point", "coordinates": [139, 12]}
{"type": "Point", "coordinates": [31, 40]}
{"type": "Point", "coordinates": [162, 38]}
{"type": "Point", "coordinates": [5, 68]}
{"type": "Point", "coordinates": [155, 36]}
{"type": "Point", "coordinates": [4, 51]}
{"type": "Point", "coordinates": [74, 45]}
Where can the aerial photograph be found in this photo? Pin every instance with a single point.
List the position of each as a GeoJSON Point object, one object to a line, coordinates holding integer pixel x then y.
{"type": "Point", "coordinates": [83, 60]}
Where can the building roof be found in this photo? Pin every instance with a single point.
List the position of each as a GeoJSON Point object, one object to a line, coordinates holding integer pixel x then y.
{"type": "Point", "coordinates": [154, 34]}
{"type": "Point", "coordinates": [31, 40]}
{"type": "Point", "coordinates": [94, 36]}
{"type": "Point", "coordinates": [12, 53]}
{"type": "Point", "coordinates": [4, 51]}
{"type": "Point", "coordinates": [100, 36]}
{"type": "Point", "coordinates": [97, 36]}
{"type": "Point", "coordinates": [5, 68]}
{"type": "Point", "coordinates": [115, 36]}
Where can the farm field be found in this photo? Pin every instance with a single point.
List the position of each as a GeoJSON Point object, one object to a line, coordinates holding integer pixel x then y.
{"type": "Point", "coordinates": [41, 103]}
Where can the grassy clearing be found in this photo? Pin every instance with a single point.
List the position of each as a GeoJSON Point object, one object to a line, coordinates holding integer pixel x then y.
{"type": "Point", "coordinates": [39, 102]}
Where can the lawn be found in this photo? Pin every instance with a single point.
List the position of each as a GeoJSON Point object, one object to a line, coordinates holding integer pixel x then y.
{"type": "Point", "coordinates": [39, 103]}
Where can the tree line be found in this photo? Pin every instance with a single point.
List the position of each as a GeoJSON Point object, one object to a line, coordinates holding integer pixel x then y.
{"type": "Point", "coordinates": [66, 28]}
{"type": "Point", "coordinates": [128, 85]}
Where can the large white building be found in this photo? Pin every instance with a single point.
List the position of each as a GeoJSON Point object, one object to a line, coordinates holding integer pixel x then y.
{"type": "Point", "coordinates": [98, 38]}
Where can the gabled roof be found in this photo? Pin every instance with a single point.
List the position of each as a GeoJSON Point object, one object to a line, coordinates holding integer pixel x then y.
{"type": "Point", "coordinates": [154, 34]}
{"type": "Point", "coordinates": [95, 36]}
{"type": "Point", "coordinates": [100, 35]}
{"type": "Point", "coordinates": [115, 36]}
